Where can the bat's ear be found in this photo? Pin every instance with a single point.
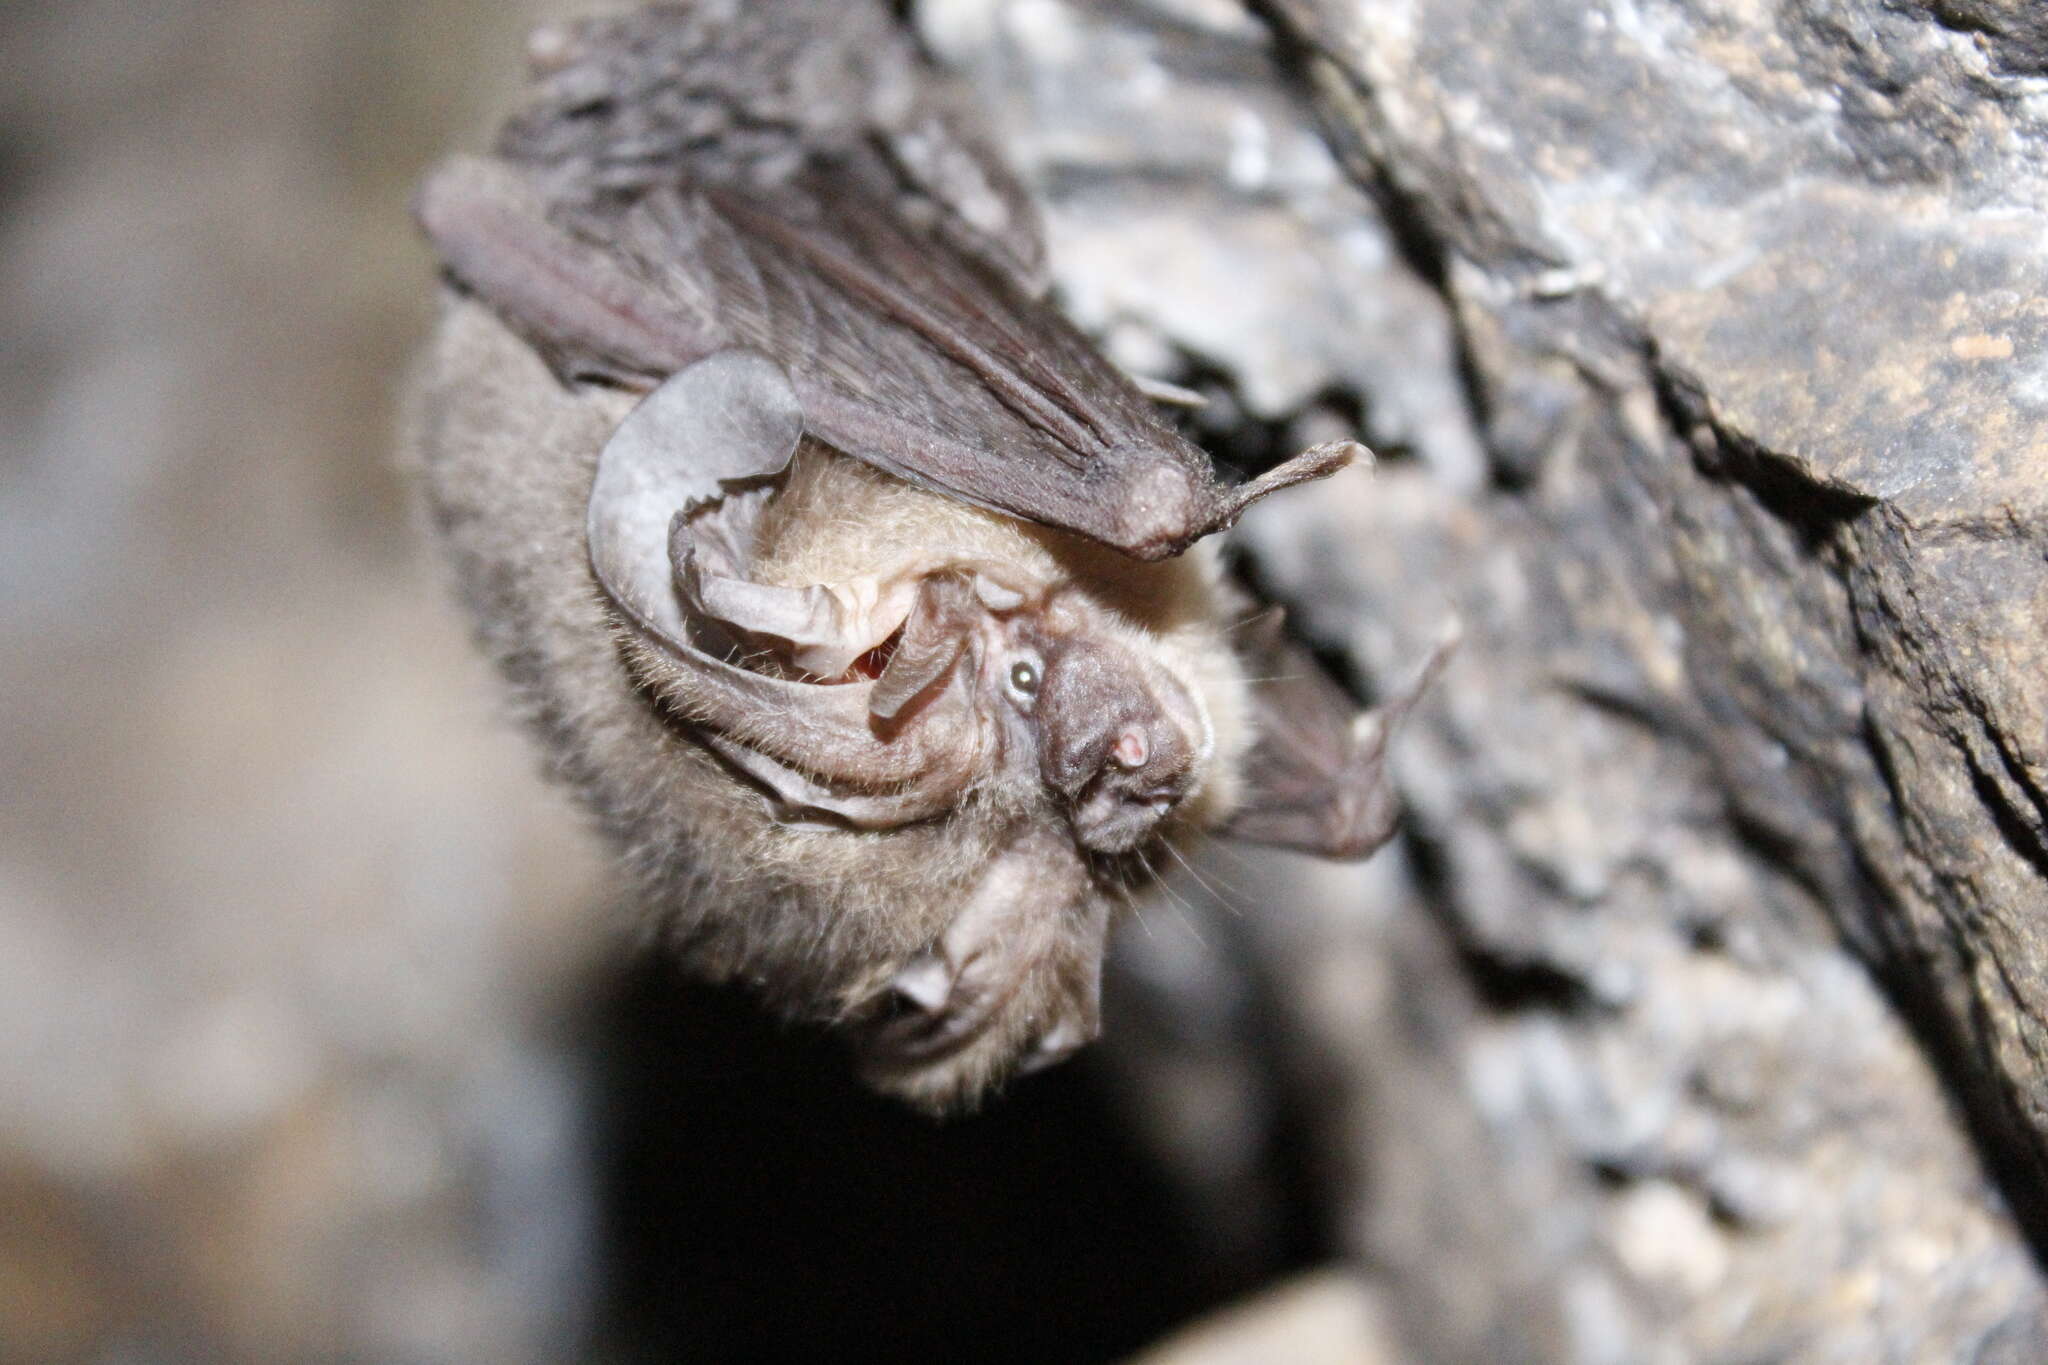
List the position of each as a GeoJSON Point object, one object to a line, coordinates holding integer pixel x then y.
{"type": "Point", "coordinates": [932, 640]}
{"type": "Point", "coordinates": [705, 441]}
{"type": "Point", "coordinates": [729, 419]}
{"type": "Point", "coordinates": [1316, 779]}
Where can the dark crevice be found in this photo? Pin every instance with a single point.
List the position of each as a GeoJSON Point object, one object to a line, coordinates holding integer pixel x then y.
{"type": "Point", "coordinates": [1814, 510]}
{"type": "Point", "coordinates": [2021, 836]}
{"type": "Point", "coordinates": [758, 1204]}
{"type": "Point", "coordinates": [1338, 662]}
{"type": "Point", "coordinates": [1508, 986]}
{"type": "Point", "coordinates": [2015, 768]}
{"type": "Point", "coordinates": [1243, 446]}
{"type": "Point", "coordinates": [1706, 935]}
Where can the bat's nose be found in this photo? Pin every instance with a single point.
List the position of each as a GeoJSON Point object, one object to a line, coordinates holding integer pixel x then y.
{"type": "Point", "coordinates": [1145, 770]}
{"type": "Point", "coordinates": [1115, 742]}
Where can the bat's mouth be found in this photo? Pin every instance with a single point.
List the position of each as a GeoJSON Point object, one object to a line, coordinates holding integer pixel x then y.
{"type": "Point", "coordinates": [1113, 818]}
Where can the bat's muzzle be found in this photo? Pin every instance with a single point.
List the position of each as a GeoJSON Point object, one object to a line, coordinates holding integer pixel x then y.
{"type": "Point", "coordinates": [1115, 742]}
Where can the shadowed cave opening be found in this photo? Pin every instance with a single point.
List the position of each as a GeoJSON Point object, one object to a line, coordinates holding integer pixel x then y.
{"type": "Point", "coordinates": [757, 1204]}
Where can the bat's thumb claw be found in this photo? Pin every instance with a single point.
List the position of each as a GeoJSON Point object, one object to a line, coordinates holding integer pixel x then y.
{"type": "Point", "coordinates": [924, 984]}
{"type": "Point", "coordinates": [1448, 637]}
{"type": "Point", "coordinates": [1317, 462]}
{"type": "Point", "coordinates": [1059, 1042]}
{"type": "Point", "coordinates": [1358, 453]}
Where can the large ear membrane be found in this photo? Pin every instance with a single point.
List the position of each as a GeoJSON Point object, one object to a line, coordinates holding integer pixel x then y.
{"type": "Point", "coordinates": [729, 419]}
{"type": "Point", "coordinates": [1316, 779]}
{"type": "Point", "coordinates": [821, 629]}
{"type": "Point", "coordinates": [705, 439]}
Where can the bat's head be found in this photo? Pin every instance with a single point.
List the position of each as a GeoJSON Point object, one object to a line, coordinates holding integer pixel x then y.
{"type": "Point", "coordinates": [1096, 735]}
{"type": "Point", "coordinates": [948, 738]}
{"type": "Point", "coordinates": [1121, 737]}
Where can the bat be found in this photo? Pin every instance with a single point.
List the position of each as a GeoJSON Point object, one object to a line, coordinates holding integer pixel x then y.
{"type": "Point", "coordinates": [869, 608]}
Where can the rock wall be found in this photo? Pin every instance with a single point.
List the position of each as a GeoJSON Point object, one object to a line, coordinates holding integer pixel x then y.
{"type": "Point", "coordinates": [1708, 342]}
{"type": "Point", "coordinates": [1805, 243]}
{"type": "Point", "coordinates": [1698, 1015]}
{"type": "Point", "coordinates": [284, 917]}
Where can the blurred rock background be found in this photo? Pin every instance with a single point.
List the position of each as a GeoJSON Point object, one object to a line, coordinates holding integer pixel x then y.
{"type": "Point", "coordinates": [282, 912]}
{"type": "Point", "coordinates": [1695, 1019]}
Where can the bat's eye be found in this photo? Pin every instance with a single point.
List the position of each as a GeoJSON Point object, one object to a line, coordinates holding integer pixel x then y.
{"type": "Point", "coordinates": [1023, 681]}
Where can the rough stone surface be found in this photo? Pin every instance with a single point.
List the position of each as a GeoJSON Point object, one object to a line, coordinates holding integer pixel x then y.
{"type": "Point", "coordinates": [1729, 822]}
{"type": "Point", "coordinates": [283, 917]}
{"type": "Point", "coordinates": [1703, 345]}
{"type": "Point", "coordinates": [1806, 284]}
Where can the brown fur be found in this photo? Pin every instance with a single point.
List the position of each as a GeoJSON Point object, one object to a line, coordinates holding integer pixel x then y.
{"type": "Point", "coordinates": [792, 230]}
{"type": "Point", "coordinates": [818, 919]}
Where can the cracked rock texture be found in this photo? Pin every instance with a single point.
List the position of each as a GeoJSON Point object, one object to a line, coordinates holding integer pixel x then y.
{"type": "Point", "coordinates": [1704, 1018]}
{"type": "Point", "coordinates": [1696, 1017]}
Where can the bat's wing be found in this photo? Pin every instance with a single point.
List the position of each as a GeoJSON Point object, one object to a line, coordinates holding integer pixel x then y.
{"type": "Point", "coordinates": [745, 93]}
{"type": "Point", "coordinates": [586, 311]}
{"type": "Point", "coordinates": [1317, 780]}
{"type": "Point", "coordinates": [904, 352]}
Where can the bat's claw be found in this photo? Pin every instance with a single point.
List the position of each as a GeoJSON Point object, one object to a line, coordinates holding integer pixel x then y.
{"type": "Point", "coordinates": [923, 990]}
{"type": "Point", "coordinates": [924, 985]}
{"type": "Point", "coordinates": [948, 996]}
{"type": "Point", "coordinates": [1013, 984]}
{"type": "Point", "coordinates": [1058, 1043]}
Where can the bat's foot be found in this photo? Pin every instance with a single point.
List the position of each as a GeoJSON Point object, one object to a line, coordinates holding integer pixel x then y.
{"type": "Point", "coordinates": [1012, 985]}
